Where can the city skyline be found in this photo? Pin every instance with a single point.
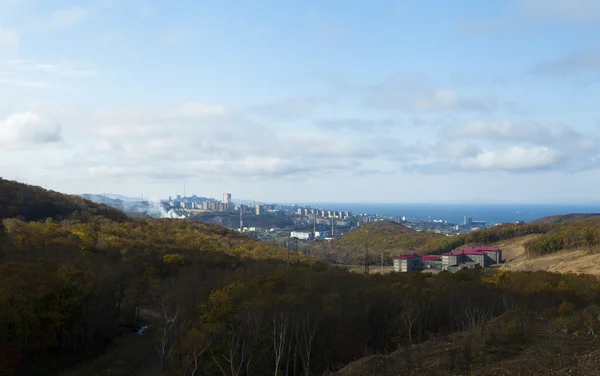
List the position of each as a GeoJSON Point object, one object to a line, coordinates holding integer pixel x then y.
{"type": "Point", "coordinates": [299, 102]}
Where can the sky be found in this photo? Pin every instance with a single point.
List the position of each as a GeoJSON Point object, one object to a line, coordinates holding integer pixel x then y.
{"type": "Point", "coordinates": [304, 101]}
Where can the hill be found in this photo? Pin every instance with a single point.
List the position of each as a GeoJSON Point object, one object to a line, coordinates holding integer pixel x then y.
{"type": "Point", "coordinates": [565, 218]}
{"type": "Point", "coordinates": [35, 203]}
{"type": "Point", "coordinates": [384, 236]}
{"type": "Point", "coordinates": [512, 344]}
{"type": "Point", "coordinates": [210, 299]}
{"type": "Point", "coordinates": [75, 275]}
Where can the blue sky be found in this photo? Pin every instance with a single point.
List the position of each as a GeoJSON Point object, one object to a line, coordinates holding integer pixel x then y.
{"type": "Point", "coordinates": [304, 101]}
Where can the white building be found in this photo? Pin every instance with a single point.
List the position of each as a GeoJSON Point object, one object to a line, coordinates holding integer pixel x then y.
{"type": "Point", "coordinates": [300, 235]}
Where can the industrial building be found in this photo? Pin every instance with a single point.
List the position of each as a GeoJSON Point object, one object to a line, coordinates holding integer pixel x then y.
{"type": "Point", "coordinates": [407, 263]}
{"type": "Point", "coordinates": [470, 258]}
{"type": "Point", "coordinates": [432, 262]}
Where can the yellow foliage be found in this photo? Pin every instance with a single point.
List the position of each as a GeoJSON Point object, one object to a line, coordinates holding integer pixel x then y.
{"type": "Point", "coordinates": [497, 278]}
{"type": "Point", "coordinates": [173, 258]}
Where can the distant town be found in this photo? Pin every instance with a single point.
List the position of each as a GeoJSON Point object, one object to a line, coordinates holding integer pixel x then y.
{"type": "Point", "coordinates": [265, 221]}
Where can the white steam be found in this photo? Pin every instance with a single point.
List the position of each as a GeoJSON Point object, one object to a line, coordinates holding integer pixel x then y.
{"type": "Point", "coordinates": [155, 209]}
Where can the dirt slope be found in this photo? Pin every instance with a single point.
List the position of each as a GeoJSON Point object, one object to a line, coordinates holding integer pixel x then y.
{"type": "Point", "coordinates": [513, 250]}
{"type": "Point", "coordinates": [568, 261]}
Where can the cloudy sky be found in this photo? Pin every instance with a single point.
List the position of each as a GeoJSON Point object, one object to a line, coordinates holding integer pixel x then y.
{"type": "Point", "coordinates": [303, 101]}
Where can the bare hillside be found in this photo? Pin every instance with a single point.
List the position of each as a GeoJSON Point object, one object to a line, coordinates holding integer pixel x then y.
{"type": "Point", "coordinates": [566, 261]}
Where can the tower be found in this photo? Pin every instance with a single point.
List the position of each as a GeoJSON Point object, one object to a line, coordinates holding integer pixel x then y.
{"type": "Point", "coordinates": [227, 198]}
{"type": "Point", "coordinates": [241, 218]}
{"type": "Point", "coordinates": [332, 226]}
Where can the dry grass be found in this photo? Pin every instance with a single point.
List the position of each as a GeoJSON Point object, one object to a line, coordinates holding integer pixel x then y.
{"type": "Point", "coordinates": [569, 261]}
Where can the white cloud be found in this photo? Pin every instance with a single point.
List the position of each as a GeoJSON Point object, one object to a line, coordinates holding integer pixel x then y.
{"type": "Point", "coordinates": [65, 18]}
{"type": "Point", "coordinates": [27, 128]}
{"type": "Point", "coordinates": [24, 83]}
{"type": "Point", "coordinates": [200, 141]}
{"type": "Point", "coordinates": [289, 109]}
{"type": "Point", "coordinates": [194, 109]}
{"type": "Point", "coordinates": [411, 96]}
{"type": "Point", "coordinates": [440, 99]}
{"type": "Point", "coordinates": [197, 140]}
{"type": "Point", "coordinates": [9, 41]}
{"type": "Point", "coordinates": [514, 158]}
{"type": "Point", "coordinates": [557, 134]}
{"type": "Point", "coordinates": [36, 74]}
{"type": "Point", "coordinates": [511, 147]}
{"type": "Point", "coordinates": [356, 124]}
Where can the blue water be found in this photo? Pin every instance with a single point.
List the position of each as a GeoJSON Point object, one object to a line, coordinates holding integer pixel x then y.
{"type": "Point", "coordinates": [491, 213]}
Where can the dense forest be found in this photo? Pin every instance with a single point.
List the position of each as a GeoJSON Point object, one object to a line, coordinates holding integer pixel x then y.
{"type": "Point", "coordinates": [216, 302]}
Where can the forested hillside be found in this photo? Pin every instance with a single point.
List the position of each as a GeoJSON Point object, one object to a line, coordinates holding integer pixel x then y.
{"type": "Point", "coordinates": [383, 235]}
{"type": "Point", "coordinates": [373, 239]}
{"type": "Point", "coordinates": [566, 218]}
{"type": "Point", "coordinates": [34, 203]}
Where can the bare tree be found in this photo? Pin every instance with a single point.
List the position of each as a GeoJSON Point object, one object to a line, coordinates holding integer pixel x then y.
{"type": "Point", "coordinates": [240, 342]}
{"type": "Point", "coordinates": [409, 316]}
{"type": "Point", "coordinates": [169, 322]}
{"type": "Point", "coordinates": [280, 331]}
{"type": "Point", "coordinates": [306, 329]}
{"type": "Point", "coordinates": [474, 318]}
{"type": "Point", "coordinates": [196, 345]}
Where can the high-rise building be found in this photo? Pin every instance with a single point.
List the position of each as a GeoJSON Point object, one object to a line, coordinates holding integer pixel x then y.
{"type": "Point", "coordinates": [260, 210]}
{"type": "Point", "coordinates": [227, 198]}
{"type": "Point", "coordinates": [467, 221]}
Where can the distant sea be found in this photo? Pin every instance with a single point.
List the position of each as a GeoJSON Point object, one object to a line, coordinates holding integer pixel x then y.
{"type": "Point", "coordinates": [491, 213]}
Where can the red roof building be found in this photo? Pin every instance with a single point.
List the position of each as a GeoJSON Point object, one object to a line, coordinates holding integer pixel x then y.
{"type": "Point", "coordinates": [407, 256]}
